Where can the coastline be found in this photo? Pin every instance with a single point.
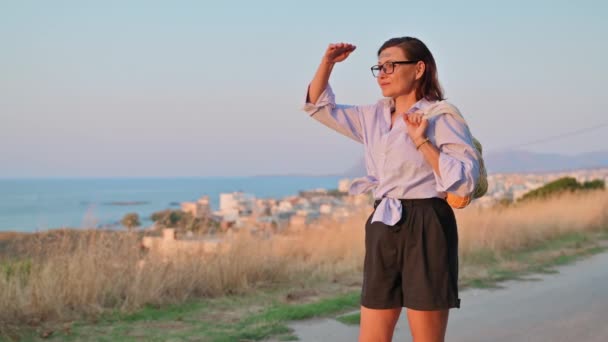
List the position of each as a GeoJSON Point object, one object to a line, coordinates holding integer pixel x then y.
{"type": "Point", "coordinates": [41, 204]}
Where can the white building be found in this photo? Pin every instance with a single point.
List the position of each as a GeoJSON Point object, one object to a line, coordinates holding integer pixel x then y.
{"type": "Point", "coordinates": [285, 206]}
{"type": "Point", "coordinates": [237, 202]}
{"type": "Point", "coordinates": [344, 184]}
{"type": "Point", "coordinates": [198, 209]}
{"type": "Point", "coordinates": [325, 209]}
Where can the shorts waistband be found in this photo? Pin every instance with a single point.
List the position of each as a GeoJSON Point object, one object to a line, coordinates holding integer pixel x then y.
{"type": "Point", "coordinates": [414, 202]}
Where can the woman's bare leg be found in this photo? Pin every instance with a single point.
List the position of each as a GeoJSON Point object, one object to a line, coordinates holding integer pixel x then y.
{"type": "Point", "coordinates": [428, 326]}
{"type": "Point", "coordinates": [378, 325]}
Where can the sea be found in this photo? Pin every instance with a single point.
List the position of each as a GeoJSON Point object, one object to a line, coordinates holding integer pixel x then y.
{"type": "Point", "coordinates": [31, 205]}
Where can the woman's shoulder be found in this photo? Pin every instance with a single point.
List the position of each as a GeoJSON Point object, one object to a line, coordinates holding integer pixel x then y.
{"type": "Point", "coordinates": [380, 106]}
{"type": "Point", "coordinates": [437, 110]}
{"type": "Point", "coordinates": [371, 110]}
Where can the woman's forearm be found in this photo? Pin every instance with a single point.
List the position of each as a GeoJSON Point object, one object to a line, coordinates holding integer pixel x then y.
{"type": "Point", "coordinates": [430, 153]}
{"type": "Point", "coordinates": [319, 82]}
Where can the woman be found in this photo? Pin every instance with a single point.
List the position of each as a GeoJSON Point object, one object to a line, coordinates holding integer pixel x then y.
{"type": "Point", "coordinates": [411, 238]}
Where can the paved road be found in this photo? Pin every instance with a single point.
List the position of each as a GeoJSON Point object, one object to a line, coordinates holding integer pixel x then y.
{"type": "Point", "coordinates": [571, 305]}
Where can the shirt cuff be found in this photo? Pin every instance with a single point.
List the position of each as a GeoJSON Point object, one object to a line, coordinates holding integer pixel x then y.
{"type": "Point", "coordinates": [326, 98]}
{"type": "Point", "coordinates": [453, 177]}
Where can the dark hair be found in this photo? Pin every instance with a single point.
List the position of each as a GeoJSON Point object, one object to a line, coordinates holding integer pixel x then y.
{"type": "Point", "coordinates": [415, 49]}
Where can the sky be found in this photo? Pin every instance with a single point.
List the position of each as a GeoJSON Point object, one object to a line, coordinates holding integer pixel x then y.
{"type": "Point", "coordinates": [210, 88]}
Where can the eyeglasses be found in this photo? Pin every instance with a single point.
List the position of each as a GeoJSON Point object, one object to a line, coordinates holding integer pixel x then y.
{"type": "Point", "coordinates": [388, 67]}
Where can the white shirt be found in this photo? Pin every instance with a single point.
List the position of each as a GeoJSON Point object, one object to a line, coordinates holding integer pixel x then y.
{"type": "Point", "coordinates": [395, 169]}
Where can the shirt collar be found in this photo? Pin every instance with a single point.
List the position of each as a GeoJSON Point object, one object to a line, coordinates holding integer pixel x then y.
{"type": "Point", "coordinates": [422, 104]}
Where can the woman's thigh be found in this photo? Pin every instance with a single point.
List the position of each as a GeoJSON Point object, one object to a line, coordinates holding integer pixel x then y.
{"type": "Point", "coordinates": [378, 325]}
{"type": "Point", "coordinates": [428, 326]}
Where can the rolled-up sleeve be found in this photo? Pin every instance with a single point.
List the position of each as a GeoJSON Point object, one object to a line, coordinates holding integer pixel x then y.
{"type": "Point", "coordinates": [345, 119]}
{"type": "Point", "coordinates": [458, 160]}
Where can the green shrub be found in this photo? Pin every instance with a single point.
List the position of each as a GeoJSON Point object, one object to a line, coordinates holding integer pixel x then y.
{"type": "Point", "coordinates": [20, 268]}
{"type": "Point", "coordinates": [564, 184]}
{"type": "Point", "coordinates": [131, 220]}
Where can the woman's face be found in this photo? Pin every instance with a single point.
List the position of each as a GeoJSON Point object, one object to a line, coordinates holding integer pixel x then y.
{"type": "Point", "coordinates": [404, 78]}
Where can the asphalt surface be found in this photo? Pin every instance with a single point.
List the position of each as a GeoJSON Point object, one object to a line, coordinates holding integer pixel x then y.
{"type": "Point", "coordinates": [571, 305]}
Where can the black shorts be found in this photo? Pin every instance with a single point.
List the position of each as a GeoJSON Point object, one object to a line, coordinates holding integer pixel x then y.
{"type": "Point", "coordinates": [414, 263]}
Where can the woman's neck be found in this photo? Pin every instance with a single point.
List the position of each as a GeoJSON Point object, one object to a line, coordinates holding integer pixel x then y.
{"type": "Point", "coordinates": [404, 102]}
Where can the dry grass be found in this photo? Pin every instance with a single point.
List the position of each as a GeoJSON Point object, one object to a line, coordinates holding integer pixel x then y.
{"type": "Point", "coordinates": [503, 229]}
{"type": "Point", "coordinates": [72, 275]}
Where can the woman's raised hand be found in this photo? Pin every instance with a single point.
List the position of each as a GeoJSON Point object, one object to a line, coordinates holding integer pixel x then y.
{"type": "Point", "coordinates": [338, 52]}
{"type": "Point", "coordinates": [335, 53]}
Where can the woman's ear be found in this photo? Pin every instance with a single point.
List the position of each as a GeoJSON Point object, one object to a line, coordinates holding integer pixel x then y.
{"type": "Point", "coordinates": [420, 68]}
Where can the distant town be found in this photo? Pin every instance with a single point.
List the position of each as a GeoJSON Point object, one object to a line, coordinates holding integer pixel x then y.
{"type": "Point", "coordinates": [512, 186]}
{"type": "Point", "coordinates": [241, 210]}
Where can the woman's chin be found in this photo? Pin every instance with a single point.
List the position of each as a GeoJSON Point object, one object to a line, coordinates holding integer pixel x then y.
{"type": "Point", "coordinates": [387, 93]}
